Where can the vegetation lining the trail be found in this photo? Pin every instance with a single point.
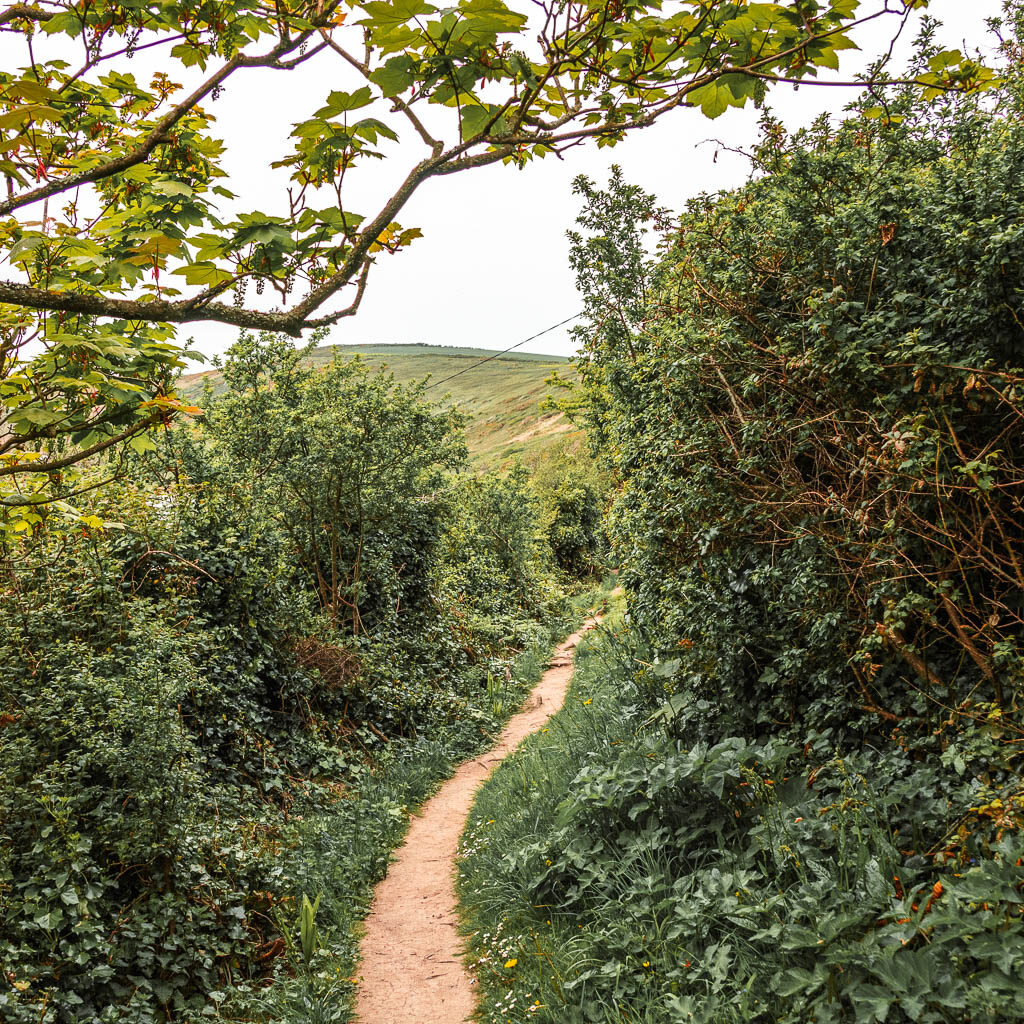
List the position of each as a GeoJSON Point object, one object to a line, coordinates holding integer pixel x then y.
{"type": "Point", "coordinates": [797, 793]}
{"type": "Point", "coordinates": [501, 398]}
{"type": "Point", "coordinates": [296, 619]}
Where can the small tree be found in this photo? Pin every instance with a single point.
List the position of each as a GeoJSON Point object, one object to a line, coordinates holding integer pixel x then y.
{"type": "Point", "coordinates": [347, 464]}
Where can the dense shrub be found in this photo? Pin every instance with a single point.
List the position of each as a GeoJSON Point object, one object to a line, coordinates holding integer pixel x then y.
{"type": "Point", "coordinates": [817, 418]}
{"type": "Point", "coordinates": [494, 557]}
{"type": "Point", "coordinates": [575, 527]}
{"type": "Point", "coordinates": [803, 801]}
{"type": "Point", "coordinates": [148, 740]}
{"type": "Point", "coordinates": [295, 624]}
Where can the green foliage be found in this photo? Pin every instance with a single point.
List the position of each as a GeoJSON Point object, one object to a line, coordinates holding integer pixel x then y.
{"type": "Point", "coordinates": [493, 550]}
{"type": "Point", "coordinates": [131, 726]}
{"type": "Point", "coordinates": [111, 222]}
{"type": "Point", "coordinates": [795, 793]}
{"type": "Point", "coordinates": [190, 718]}
{"type": "Point", "coordinates": [818, 440]}
{"type": "Point", "coordinates": [610, 874]}
{"type": "Point", "coordinates": [574, 532]}
{"type": "Point", "coordinates": [574, 491]}
{"type": "Point", "coordinates": [346, 464]}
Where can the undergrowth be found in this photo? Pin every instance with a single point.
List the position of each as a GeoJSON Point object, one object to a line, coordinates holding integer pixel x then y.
{"type": "Point", "coordinates": [340, 854]}
{"type": "Point", "coordinates": [611, 873]}
{"type": "Point", "coordinates": [792, 788]}
{"type": "Point", "coordinates": [218, 705]}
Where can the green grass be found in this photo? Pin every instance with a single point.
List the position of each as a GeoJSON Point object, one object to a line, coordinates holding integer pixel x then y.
{"type": "Point", "coordinates": [502, 848]}
{"type": "Point", "coordinates": [502, 397]}
{"type": "Point", "coordinates": [612, 874]}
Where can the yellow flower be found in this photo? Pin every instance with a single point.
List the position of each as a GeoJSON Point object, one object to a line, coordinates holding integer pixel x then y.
{"type": "Point", "coordinates": [588, 700]}
{"type": "Point", "coordinates": [511, 963]}
{"type": "Point", "coordinates": [647, 963]}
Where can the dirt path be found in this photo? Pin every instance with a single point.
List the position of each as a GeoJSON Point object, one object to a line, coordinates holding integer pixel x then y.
{"type": "Point", "coordinates": [412, 969]}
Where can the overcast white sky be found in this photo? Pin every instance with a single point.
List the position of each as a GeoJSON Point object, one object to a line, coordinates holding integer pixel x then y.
{"type": "Point", "coordinates": [492, 267]}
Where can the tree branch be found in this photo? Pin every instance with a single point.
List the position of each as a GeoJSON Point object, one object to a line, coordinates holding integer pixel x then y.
{"type": "Point", "coordinates": [159, 134]}
{"type": "Point", "coordinates": [25, 11]}
{"type": "Point", "coordinates": [69, 460]}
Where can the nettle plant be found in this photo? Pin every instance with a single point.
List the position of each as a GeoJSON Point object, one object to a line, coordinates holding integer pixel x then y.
{"type": "Point", "coordinates": [117, 222]}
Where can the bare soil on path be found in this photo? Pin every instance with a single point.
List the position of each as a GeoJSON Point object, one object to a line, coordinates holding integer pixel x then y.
{"type": "Point", "coordinates": [412, 969]}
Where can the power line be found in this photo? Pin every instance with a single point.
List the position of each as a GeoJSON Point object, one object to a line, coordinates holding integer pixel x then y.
{"type": "Point", "coordinates": [547, 330]}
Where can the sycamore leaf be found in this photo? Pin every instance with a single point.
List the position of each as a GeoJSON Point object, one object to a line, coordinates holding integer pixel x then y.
{"type": "Point", "coordinates": [392, 15]}
{"type": "Point", "coordinates": [397, 75]}
{"type": "Point", "coordinates": [29, 112]}
{"type": "Point", "coordinates": [339, 102]}
{"type": "Point", "coordinates": [203, 273]}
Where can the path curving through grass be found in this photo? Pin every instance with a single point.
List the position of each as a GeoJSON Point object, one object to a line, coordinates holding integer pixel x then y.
{"type": "Point", "coordinates": [412, 970]}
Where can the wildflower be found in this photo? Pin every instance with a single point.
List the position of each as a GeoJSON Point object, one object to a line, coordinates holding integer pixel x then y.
{"type": "Point", "coordinates": [589, 700]}
{"type": "Point", "coordinates": [797, 821]}
{"type": "Point", "coordinates": [511, 963]}
{"type": "Point", "coordinates": [647, 963]}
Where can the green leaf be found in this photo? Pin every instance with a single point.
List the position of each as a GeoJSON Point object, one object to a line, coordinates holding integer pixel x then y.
{"type": "Point", "coordinates": [339, 102]}
{"type": "Point", "coordinates": [204, 273]}
{"type": "Point", "coordinates": [714, 99]}
{"type": "Point", "coordinates": [29, 112]}
{"type": "Point", "coordinates": [397, 75]}
{"type": "Point", "coordinates": [169, 187]}
{"type": "Point", "coordinates": [392, 15]}
{"type": "Point", "coordinates": [142, 443]}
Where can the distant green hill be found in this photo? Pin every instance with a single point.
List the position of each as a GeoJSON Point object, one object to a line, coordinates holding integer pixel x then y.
{"type": "Point", "coordinates": [502, 396]}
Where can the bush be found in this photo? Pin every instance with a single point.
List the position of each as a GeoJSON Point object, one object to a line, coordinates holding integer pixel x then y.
{"type": "Point", "coordinates": [819, 441]}
{"type": "Point", "coordinates": [126, 736]}
{"type": "Point", "coordinates": [611, 873]}
{"type": "Point", "coordinates": [797, 794]}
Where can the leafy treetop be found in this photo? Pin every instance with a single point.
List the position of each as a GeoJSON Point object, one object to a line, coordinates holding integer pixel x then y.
{"type": "Point", "coordinates": [113, 225]}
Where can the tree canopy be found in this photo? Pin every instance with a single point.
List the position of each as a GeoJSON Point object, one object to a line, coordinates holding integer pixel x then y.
{"type": "Point", "coordinates": [119, 220]}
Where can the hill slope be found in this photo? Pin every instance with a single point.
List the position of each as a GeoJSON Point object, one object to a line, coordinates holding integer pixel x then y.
{"type": "Point", "coordinates": [502, 396]}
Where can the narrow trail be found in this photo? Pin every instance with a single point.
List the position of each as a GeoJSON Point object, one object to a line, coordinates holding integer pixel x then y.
{"type": "Point", "coordinates": [412, 970]}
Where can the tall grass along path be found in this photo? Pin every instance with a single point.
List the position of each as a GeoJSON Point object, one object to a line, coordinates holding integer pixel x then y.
{"type": "Point", "coordinates": [412, 969]}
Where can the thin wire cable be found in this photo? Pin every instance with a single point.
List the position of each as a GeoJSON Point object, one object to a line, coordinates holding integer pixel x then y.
{"type": "Point", "coordinates": [504, 351]}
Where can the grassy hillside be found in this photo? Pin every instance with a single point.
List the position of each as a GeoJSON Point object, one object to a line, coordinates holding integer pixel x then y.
{"type": "Point", "coordinates": [501, 396]}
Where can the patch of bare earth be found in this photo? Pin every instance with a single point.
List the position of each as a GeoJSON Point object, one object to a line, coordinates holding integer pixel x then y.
{"type": "Point", "coordinates": [550, 425]}
{"type": "Point", "coordinates": [412, 970]}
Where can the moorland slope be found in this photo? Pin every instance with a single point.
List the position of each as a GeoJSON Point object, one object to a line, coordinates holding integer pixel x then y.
{"type": "Point", "coordinates": [501, 396]}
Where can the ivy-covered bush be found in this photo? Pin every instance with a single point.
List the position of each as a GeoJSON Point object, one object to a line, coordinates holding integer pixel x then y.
{"type": "Point", "coordinates": [151, 747]}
